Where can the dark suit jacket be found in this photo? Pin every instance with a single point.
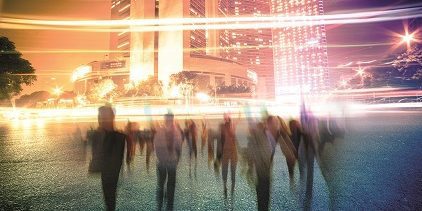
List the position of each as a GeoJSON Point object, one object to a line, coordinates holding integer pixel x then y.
{"type": "Point", "coordinates": [107, 152]}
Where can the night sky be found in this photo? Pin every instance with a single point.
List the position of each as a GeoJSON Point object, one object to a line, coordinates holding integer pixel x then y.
{"type": "Point", "coordinates": [55, 68]}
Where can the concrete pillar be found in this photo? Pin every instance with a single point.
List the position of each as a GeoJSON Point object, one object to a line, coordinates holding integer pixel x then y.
{"type": "Point", "coordinates": [141, 43]}
{"type": "Point", "coordinates": [171, 43]}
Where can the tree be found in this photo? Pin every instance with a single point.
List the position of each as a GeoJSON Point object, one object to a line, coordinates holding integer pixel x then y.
{"type": "Point", "coordinates": [409, 64]}
{"type": "Point", "coordinates": [196, 82]}
{"type": "Point", "coordinates": [233, 89]}
{"type": "Point", "coordinates": [32, 99]}
{"type": "Point", "coordinates": [103, 91]}
{"type": "Point", "coordinates": [412, 56]}
{"type": "Point", "coordinates": [14, 70]}
{"type": "Point", "coordinates": [148, 87]}
{"type": "Point", "coordinates": [184, 77]}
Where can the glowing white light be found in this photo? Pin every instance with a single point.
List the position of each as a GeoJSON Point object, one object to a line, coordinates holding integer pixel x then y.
{"type": "Point", "coordinates": [252, 75]}
{"type": "Point", "coordinates": [80, 72]}
{"type": "Point", "coordinates": [312, 42]}
{"type": "Point", "coordinates": [123, 8]}
{"type": "Point", "coordinates": [345, 65]}
{"type": "Point", "coordinates": [58, 91]}
{"type": "Point", "coordinates": [407, 38]}
{"type": "Point", "coordinates": [123, 45]}
{"type": "Point", "coordinates": [360, 71]}
{"type": "Point", "coordinates": [202, 97]}
{"type": "Point", "coordinates": [175, 91]}
{"type": "Point", "coordinates": [214, 23]}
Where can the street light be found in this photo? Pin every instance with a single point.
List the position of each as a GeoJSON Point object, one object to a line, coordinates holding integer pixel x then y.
{"type": "Point", "coordinates": [407, 38]}
{"type": "Point", "coordinates": [360, 71]}
{"type": "Point", "coordinates": [57, 91]}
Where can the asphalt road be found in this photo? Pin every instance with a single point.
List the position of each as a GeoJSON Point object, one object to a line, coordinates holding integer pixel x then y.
{"type": "Point", "coordinates": [376, 166]}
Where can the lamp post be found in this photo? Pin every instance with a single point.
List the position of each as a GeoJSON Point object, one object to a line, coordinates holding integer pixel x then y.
{"type": "Point", "coordinates": [57, 91]}
{"type": "Point", "coordinates": [408, 39]}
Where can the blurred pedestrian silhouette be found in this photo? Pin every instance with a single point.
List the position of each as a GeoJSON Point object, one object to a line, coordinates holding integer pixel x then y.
{"type": "Point", "coordinates": [146, 138]}
{"type": "Point", "coordinates": [132, 132]}
{"type": "Point", "coordinates": [329, 156]}
{"type": "Point", "coordinates": [261, 147]}
{"type": "Point", "coordinates": [204, 135]}
{"type": "Point", "coordinates": [288, 149]}
{"type": "Point", "coordinates": [307, 150]}
{"type": "Point", "coordinates": [191, 135]}
{"type": "Point", "coordinates": [167, 142]}
{"type": "Point", "coordinates": [107, 154]}
{"type": "Point", "coordinates": [228, 149]}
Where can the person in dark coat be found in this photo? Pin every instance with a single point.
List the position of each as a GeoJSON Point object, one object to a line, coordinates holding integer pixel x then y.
{"type": "Point", "coordinates": [107, 154]}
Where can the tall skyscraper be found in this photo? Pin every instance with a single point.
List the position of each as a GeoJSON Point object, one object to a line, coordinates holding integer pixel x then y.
{"type": "Point", "coordinates": [144, 49]}
{"type": "Point", "coordinates": [163, 53]}
{"type": "Point", "coordinates": [300, 52]}
{"type": "Point", "coordinates": [138, 47]}
{"type": "Point", "coordinates": [198, 42]}
{"type": "Point", "coordinates": [250, 47]}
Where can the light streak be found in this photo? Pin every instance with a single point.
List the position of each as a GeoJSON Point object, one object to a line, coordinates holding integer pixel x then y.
{"type": "Point", "coordinates": [80, 72]}
{"type": "Point", "coordinates": [102, 51]}
{"type": "Point", "coordinates": [345, 65]}
{"type": "Point", "coordinates": [169, 24]}
{"type": "Point", "coordinates": [366, 62]}
{"type": "Point", "coordinates": [124, 8]}
{"type": "Point", "coordinates": [202, 97]}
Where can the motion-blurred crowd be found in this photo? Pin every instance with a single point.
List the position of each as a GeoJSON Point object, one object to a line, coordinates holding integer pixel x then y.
{"type": "Point", "coordinates": [302, 142]}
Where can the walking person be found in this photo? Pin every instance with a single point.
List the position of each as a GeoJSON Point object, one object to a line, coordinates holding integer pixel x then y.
{"type": "Point", "coordinates": [261, 146]}
{"type": "Point", "coordinates": [132, 134]}
{"type": "Point", "coordinates": [107, 154]}
{"type": "Point", "coordinates": [167, 144]}
{"type": "Point", "coordinates": [310, 130]}
{"type": "Point", "coordinates": [288, 149]}
{"type": "Point", "coordinates": [191, 135]}
{"type": "Point", "coordinates": [229, 151]}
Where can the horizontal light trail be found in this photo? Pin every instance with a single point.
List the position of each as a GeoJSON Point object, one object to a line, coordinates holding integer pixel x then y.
{"type": "Point", "coordinates": [102, 51]}
{"type": "Point", "coordinates": [166, 24]}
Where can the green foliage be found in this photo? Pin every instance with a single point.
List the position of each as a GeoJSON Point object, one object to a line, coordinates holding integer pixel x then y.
{"type": "Point", "coordinates": [32, 99]}
{"type": "Point", "coordinates": [193, 80]}
{"type": "Point", "coordinates": [14, 70]}
{"type": "Point", "coordinates": [233, 89]}
{"type": "Point", "coordinates": [149, 87]}
{"type": "Point", "coordinates": [184, 77]}
{"type": "Point", "coordinates": [104, 91]}
{"type": "Point", "coordinates": [411, 56]}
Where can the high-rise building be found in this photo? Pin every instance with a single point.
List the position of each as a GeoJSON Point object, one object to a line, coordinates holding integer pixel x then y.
{"type": "Point", "coordinates": [139, 47]}
{"type": "Point", "coordinates": [145, 49]}
{"type": "Point", "coordinates": [198, 42]}
{"type": "Point", "coordinates": [250, 47]}
{"type": "Point", "coordinates": [300, 52]}
{"type": "Point", "coordinates": [163, 53]}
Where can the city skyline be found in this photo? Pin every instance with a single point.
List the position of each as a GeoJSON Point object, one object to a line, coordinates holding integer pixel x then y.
{"type": "Point", "coordinates": [95, 44]}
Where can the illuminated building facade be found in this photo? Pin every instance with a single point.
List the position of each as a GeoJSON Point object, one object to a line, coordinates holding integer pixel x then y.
{"type": "Point", "coordinates": [300, 52]}
{"type": "Point", "coordinates": [140, 48]}
{"type": "Point", "coordinates": [250, 47]}
{"type": "Point", "coordinates": [163, 53]}
{"type": "Point", "coordinates": [198, 41]}
{"type": "Point", "coordinates": [87, 76]}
